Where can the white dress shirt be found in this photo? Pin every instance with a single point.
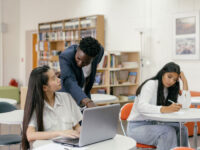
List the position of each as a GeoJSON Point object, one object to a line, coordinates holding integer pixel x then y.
{"type": "Point", "coordinates": [146, 101]}
{"type": "Point", "coordinates": [86, 72]}
{"type": "Point", "coordinates": [64, 115]}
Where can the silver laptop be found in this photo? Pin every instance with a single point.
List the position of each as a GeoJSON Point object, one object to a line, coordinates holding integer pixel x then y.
{"type": "Point", "coordinates": [99, 124]}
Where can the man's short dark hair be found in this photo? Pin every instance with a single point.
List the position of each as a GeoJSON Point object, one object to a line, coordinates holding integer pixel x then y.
{"type": "Point", "coordinates": [90, 46]}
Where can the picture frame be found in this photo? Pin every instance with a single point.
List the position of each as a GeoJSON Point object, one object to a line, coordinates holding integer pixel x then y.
{"type": "Point", "coordinates": [186, 36]}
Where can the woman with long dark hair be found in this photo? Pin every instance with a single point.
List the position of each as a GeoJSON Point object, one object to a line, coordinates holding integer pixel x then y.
{"type": "Point", "coordinates": [48, 113]}
{"type": "Point", "coordinates": [160, 94]}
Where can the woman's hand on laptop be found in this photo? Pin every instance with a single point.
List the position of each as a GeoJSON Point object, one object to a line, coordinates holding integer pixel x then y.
{"type": "Point", "coordinates": [70, 133]}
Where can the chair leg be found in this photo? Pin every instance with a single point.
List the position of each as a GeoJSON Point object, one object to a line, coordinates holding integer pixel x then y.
{"type": "Point", "coordinates": [122, 127]}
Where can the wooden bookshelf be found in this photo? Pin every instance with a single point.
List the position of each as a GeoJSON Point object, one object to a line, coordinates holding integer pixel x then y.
{"type": "Point", "coordinates": [56, 36]}
{"type": "Point", "coordinates": [121, 74]}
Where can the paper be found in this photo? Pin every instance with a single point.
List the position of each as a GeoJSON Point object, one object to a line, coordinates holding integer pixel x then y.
{"type": "Point", "coordinates": [54, 146]}
{"type": "Point", "coordinates": [180, 112]}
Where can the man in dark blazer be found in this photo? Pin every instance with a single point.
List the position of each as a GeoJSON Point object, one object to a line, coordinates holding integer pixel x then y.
{"type": "Point", "coordinates": [78, 64]}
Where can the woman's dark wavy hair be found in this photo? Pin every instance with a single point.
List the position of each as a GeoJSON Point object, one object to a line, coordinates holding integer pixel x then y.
{"type": "Point", "coordinates": [173, 91]}
{"type": "Point", "coordinates": [90, 46]}
{"type": "Point", "coordinates": [34, 101]}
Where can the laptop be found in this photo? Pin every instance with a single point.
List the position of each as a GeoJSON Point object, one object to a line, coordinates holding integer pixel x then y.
{"type": "Point", "coordinates": [98, 124]}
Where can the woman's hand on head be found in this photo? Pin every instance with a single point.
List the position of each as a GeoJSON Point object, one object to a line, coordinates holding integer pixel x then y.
{"type": "Point", "coordinates": [172, 108]}
{"type": "Point", "coordinates": [70, 133]}
{"type": "Point", "coordinates": [182, 77]}
{"type": "Point", "coordinates": [184, 80]}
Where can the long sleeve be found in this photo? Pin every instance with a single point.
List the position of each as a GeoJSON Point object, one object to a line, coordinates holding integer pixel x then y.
{"type": "Point", "coordinates": [147, 99]}
{"type": "Point", "coordinates": [185, 99]}
{"type": "Point", "coordinates": [69, 80]}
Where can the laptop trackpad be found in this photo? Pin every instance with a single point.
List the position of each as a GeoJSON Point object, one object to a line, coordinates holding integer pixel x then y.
{"type": "Point", "coordinates": [67, 140]}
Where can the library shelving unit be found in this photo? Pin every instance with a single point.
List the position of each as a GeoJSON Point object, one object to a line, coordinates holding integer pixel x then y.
{"type": "Point", "coordinates": [56, 36]}
{"type": "Point", "coordinates": [118, 74]}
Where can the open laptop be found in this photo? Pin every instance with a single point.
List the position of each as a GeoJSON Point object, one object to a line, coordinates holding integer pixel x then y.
{"type": "Point", "coordinates": [98, 124]}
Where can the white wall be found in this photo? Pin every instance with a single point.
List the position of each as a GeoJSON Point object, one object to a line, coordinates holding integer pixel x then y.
{"type": "Point", "coordinates": [161, 37]}
{"type": "Point", "coordinates": [10, 18]}
{"type": "Point", "coordinates": [1, 51]}
{"type": "Point", "coordinates": [123, 20]}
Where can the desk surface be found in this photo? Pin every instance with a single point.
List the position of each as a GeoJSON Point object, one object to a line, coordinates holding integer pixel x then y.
{"type": "Point", "coordinates": [8, 100]}
{"type": "Point", "coordinates": [184, 115]}
{"type": "Point", "coordinates": [13, 117]}
{"type": "Point", "coordinates": [119, 142]}
{"type": "Point", "coordinates": [104, 98]}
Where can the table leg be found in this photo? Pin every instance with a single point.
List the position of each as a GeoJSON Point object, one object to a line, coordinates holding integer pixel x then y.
{"type": "Point", "coordinates": [195, 135]}
{"type": "Point", "coordinates": [195, 132]}
{"type": "Point", "coordinates": [180, 129]}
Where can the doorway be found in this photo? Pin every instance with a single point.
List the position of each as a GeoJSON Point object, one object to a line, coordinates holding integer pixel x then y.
{"type": "Point", "coordinates": [31, 53]}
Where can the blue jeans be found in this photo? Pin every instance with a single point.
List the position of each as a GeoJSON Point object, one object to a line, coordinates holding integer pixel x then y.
{"type": "Point", "coordinates": [164, 135]}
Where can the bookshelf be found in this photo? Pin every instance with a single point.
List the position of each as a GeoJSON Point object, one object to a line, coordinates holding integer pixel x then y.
{"type": "Point", "coordinates": [118, 74]}
{"type": "Point", "coordinates": [56, 36]}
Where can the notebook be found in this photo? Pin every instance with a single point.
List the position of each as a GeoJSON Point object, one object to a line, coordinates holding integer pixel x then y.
{"type": "Point", "coordinates": [98, 124]}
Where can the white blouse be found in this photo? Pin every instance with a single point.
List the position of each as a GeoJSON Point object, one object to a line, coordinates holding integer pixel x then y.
{"type": "Point", "coordinates": [63, 116]}
{"type": "Point", "coordinates": [146, 102]}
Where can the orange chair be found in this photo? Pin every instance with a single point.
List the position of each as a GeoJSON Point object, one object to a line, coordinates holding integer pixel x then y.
{"type": "Point", "coordinates": [183, 148]}
{"type": "Point", "coordinates": [125, 111]}
{"type": "Point", "coordinates": [190, 125]}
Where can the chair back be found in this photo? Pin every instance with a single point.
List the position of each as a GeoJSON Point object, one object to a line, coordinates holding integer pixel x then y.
{"type": "Point", "coordinates": [194, 93]}
{"type": "Point", "coordinates": [183, 148]}
{"type": "Point", "coordinates": [125, 111]}
{"type": "Point", "coordinates": [6, 107]}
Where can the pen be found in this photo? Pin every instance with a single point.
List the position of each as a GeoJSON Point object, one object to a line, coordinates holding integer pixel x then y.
{"type": "Point", "coordinates": [171, 101]}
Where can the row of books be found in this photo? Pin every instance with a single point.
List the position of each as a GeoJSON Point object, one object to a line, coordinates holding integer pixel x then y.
{"type": "Point", "coordinates": [99, 78]}
{"type": "Point", "coordinates": [44, 54]}
{"type": "Point", "coordinates": [122, 77]}
{"type": "Point", "coordinates": [71, 35]}
{"type": "Point", "coordinates": [101, 91]}
{"type": "Point", "coordinates": [114, 78]}
{"type": "Point", "coordinates": [57, 26]}
{"type": "Point", "coordinates": [43, 62]}
{"type": "Point", "coordinates": [55, 52]}
{"type": "Point", "coordinates": [67, 44]}
{"type": "Point", "coordinates": [46, 46]}
{"type": "Point", "coordinates": [74, 24]}
{"type": "Point", "coordinates": [68, 35]}
{"type": "Point", "coordinates": [115, 61]}
{"type": "Point", "coordinates": [89, 32]}
{"type": "Point", "coordinates": [88, 22]}
{"type": "Point", "coordinates": [103, 63]}
{"type": "Point", "coordinates": [52, 64]}
{"type": "Point", "coordinates": [69, 25]}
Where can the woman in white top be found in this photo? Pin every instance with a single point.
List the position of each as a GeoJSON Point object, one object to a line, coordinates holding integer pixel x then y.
{"type": "Point", "coordinates": [155, 95]}
{"type": "Point", "coordinates": [48, 114]}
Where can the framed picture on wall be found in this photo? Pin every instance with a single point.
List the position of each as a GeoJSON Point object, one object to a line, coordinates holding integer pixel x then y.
{"type": "Point", "coordinates": [186, 36]}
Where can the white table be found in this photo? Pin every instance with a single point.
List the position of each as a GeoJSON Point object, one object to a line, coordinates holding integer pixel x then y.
{"type": "Point", "coordinates": [184, 115]}
{"type": "Point", "coordinates": [195, 101]}
{"type": "Point", "coordinates": [104, 98]}
{"type": "Point", "coordinates": [13, 117]}
{"type": "Point", "coordinates": [8, 100]}
{"type": "Point", "coordinates": [119, 142]}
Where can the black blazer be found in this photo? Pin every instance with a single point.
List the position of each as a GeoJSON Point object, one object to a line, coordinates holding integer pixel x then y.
{"type": "Point", "coordinates": [72, 78]}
